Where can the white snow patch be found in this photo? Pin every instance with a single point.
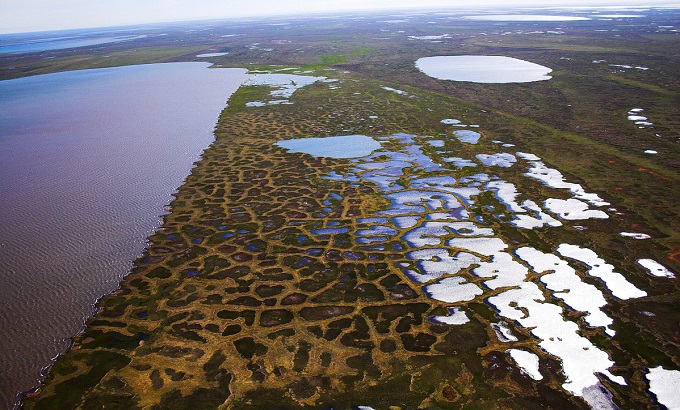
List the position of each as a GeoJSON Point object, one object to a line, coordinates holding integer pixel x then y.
{"type": "Point", "coordinates": [617, 284]}
{"type": "Point", "coordinates": [503, 333]}
{"type": "Point", "coordinates": [501, 268]}
{"type": "Point", "coordinates": [450, 121]}
{"type": "Point", "coordinates": [507, 193]}
{"type": "Point", "coordinates": [206, 55]}
{"type": "Point", "coordinates": [572, 209]}
{"type": "Point", "coordinates": [527, 156]}
{"type": "Point", "coordinates": [599, 398]}
{"type": "Point", "coordinates": [394, 90]}
{"type": "Point", "coordinates": [634, 235]}
{"type": "Point", "coordinates": [655, 268]}
{"type": "Point", "coordinates": [554, 179]}
{"type": "Point", "coordinates": [664, 384]}
{"type": "Point", "coordinates": [460, 162]}
{"type": "Point", "coordinates": [502, 159]}
{"type": "Point", "coordinates": [581, 360]}
{"type": "Point", "coordinates": [452, 290]}
{"type": "Point", "coordinates": [433, 263]}
{"type": "Point", "coordinates": [402, 222]}
{"type": "Point", "coordinates": [431, 233]}
{"type": "Point", "coordinates": [455, 317]}
{"type": "Point", "coordinates": [466, 136]}
{"type": "Point", "coordinates": [527, 362]}
{"type": "Point", "coordinates": [568, 286]}
{"type": "Point", "coordinates": [440, 37]}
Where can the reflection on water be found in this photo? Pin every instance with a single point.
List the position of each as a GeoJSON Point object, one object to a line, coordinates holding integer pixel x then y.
{"type": "Point", "coordinates": [206, 55]}
{"type": "Point", "coordinates": [345, 146]}
{"type": "Point", "coordinates": [451, 251]}
{"type": "Point", "coordinates": [48, 44]}
{"type": "Point", "coordinates": [88, 159]}
{"type": "Point", "coordinates": [482, 69]}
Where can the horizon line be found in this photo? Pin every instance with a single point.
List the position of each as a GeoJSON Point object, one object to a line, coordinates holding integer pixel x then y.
{"type": "Point", "coordinates": [277, 15]}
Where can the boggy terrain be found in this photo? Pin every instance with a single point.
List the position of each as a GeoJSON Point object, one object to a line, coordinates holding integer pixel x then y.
{"type": "Point", "coordinates": [283, 280]}
{"type": "Point", "coordinates": [445, 270]}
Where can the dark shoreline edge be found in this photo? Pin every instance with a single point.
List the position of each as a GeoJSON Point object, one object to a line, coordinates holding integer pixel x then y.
{"type": "Point", "coordinates": [161, 218]}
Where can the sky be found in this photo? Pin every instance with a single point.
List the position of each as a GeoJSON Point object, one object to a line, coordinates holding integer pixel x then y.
{"type": "Point", "coordinates": [42, 15]}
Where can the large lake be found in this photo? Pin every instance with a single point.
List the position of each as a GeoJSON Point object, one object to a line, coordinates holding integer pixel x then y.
{"type": "Point", "coordinates": [483, 69]}
{"type": "Point", "coordinates": [88, 160]}
{"type": "Point", "coordinates": [8, 46]}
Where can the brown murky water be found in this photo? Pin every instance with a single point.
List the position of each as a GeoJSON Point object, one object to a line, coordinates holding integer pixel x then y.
{"type": "Point", "coordinates": [88, 159]}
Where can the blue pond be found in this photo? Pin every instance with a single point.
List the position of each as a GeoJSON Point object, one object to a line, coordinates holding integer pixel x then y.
{"type": "Point", "coordinates": [330, 231]}
{"type": "Point", "coordinates": [346, 146]}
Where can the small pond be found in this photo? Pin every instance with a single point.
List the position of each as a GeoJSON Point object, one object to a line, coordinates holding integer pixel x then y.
{"type": "Point", "coordinates": [346, 146]}
{"type": "Point", "coordinates": [207, 55]}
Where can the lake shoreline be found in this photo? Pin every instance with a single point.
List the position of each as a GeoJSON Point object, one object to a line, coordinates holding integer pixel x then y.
{"type": "Point", "coordinates": [110, 182]}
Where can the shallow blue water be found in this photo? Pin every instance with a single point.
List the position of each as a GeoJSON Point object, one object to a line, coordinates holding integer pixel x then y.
{"type": "Point", "coordinates": [346, 146]}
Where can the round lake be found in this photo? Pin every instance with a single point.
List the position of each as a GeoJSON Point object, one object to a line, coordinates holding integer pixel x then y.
{"type": "Point", "coordinates": [483, 69]}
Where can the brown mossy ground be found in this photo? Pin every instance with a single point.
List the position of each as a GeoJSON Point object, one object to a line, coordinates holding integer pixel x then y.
{"type": "Point", "coordinates": [236, 303]}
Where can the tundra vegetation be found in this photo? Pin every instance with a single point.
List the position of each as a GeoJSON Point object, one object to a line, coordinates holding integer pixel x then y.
{"type": "Point", "coordinates": [508, 270]}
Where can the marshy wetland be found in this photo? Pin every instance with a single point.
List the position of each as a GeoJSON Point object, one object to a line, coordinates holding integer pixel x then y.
{"type": "Point", "coordinates": [433, 244]}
